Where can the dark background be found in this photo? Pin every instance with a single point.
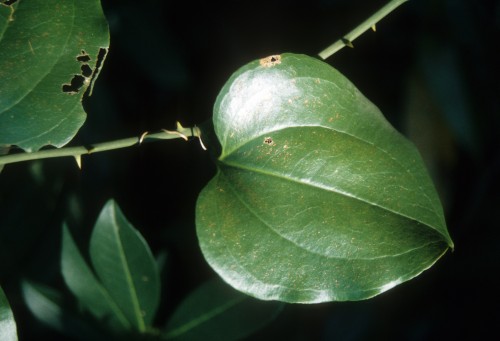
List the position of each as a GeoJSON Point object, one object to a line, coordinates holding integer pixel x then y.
{"type": "Point", "coordinates": [431, 68]}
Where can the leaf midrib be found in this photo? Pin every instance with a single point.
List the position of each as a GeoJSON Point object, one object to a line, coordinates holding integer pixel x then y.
{"type": "Point", "coordinates": [202, 318]}
{"type": "Point", "coordinates": [224, 161]}
{"type": "Point", "coordinates": [131, 286]}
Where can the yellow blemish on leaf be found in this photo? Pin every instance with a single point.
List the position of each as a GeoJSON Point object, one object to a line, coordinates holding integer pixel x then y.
{"type": "Point", "coordinates": [271, 61]}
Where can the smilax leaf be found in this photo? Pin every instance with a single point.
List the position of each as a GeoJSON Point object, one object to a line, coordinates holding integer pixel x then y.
{"type": "Point", "coordinates": [317, 197]}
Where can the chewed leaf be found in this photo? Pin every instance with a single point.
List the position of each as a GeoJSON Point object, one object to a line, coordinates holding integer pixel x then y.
{"type": "Point", "coordinates": [50, 53]}
{"type": "Point", "coordinates": [317, 197]}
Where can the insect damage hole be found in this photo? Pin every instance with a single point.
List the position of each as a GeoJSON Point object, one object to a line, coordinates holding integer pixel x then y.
{"type": "Point", "coordinates": [74, 86]}
{"type": "Point", "coordinates": [271, 60]}
{"type": "Point", "coordinates": [86, 70]}
{"type": "Point", "coordinates": [87, 74]}
{"type": "Point", "coordinates": [83, 79]}
{"type": "Point", "coordinates": [83, 57]}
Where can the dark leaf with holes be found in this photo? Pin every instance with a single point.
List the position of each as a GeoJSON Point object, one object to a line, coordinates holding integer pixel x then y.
{"type": "Point", "coordinates": [49, 56]}
{"type": "Point", "coordinates": [317, 197]}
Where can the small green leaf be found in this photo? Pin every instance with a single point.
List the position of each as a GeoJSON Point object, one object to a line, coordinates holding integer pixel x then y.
{"type": "Point", "coordinates": [317, 197]}
{"type": "Point", "coordinates": [215, 311]}
{"type": "Point", "coordinates": [8, 331]}
{"type": "Point", "coordinates": [86, 287]}
{"type": "Point", "coordinates": [49, 53]}
{"type": "Point", "coordinates": [125, 266]}
{"type": "Point", "coordinates": [46, 304]}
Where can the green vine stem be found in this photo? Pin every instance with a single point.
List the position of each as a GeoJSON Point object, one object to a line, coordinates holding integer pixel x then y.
{"type": "Point", "coordinates": [360, 29]}
{"type": "Point", "coordinates": [182, 132]}
{"type": "Point", "coordinates": [77, 152]}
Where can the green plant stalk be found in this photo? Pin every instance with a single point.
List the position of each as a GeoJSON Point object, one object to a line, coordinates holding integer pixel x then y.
{"type": "Point", "coordinates": [360, 29]}
{"type": "Point", "coordinates": [182, 132]}
{"type": "Point", "coordinates": [78, 151]}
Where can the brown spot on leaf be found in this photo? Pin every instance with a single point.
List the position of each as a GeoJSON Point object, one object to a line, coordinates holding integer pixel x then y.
{"type": "Point", "coordinates": [268, 140]}
{"type": "Point", "coordinates": [271, 61]}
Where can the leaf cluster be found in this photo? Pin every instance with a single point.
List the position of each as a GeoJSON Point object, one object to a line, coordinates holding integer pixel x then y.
{"type": "Point", "coordinates": [316, 197]}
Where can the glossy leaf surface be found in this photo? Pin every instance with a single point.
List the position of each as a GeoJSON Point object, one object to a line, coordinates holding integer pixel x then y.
{"type": "Point", "coordinates": [48, 56]}
{"type": "Point", "coordinates": [215, 311]}
{"type": "Point", "coordinates": [8, 331]}
{"type": "Point", "coordinates": [317, 197]}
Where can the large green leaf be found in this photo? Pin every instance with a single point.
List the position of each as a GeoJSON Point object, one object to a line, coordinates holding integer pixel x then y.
{"type": "Point", "coordinates": [216, 312]}
{"type": "Point", "coordinates": [125, 266]}
{"type": "Point", "coordinates": [317, 197]}
{"type": "Point", "coordinates": [48, 55]}
{"type": "Point", "coordinates": [8, 331]}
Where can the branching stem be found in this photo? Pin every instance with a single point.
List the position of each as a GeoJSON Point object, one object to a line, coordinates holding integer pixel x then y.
{"type": "Point", "coordinates": [77, 152]}
{"type": "Point", "coordinates": [360, 29]}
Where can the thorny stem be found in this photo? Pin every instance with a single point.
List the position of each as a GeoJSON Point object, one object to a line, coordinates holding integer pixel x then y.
{"type": "Point", "coordinates": [77, 152]}
{"type": "Point", "coordinates": [182, 132]}
{"type": "Point", "coordinates": [360, 29]}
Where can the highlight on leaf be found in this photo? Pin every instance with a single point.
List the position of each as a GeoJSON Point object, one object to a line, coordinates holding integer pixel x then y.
{"type": "Point", "coordinates": [317, 197]}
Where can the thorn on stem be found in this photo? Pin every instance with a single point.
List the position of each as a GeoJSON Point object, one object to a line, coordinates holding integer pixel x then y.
{"type": "Point", "coordinates": [347, 42]}
{"type": "Point", "coordinates": [78, 159]}
{"type": "Point", "coordinates": [141, 138]}
{"type": "Point", "coordinates": [195, 131]}
{"type": "Point", "coordinates": [201, 143]}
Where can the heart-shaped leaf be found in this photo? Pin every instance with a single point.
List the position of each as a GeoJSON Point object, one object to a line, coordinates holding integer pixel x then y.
{"type": "Point", "coordinates": [49, 53]}
{"type": "Point", "coordinates": [317, 197]}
